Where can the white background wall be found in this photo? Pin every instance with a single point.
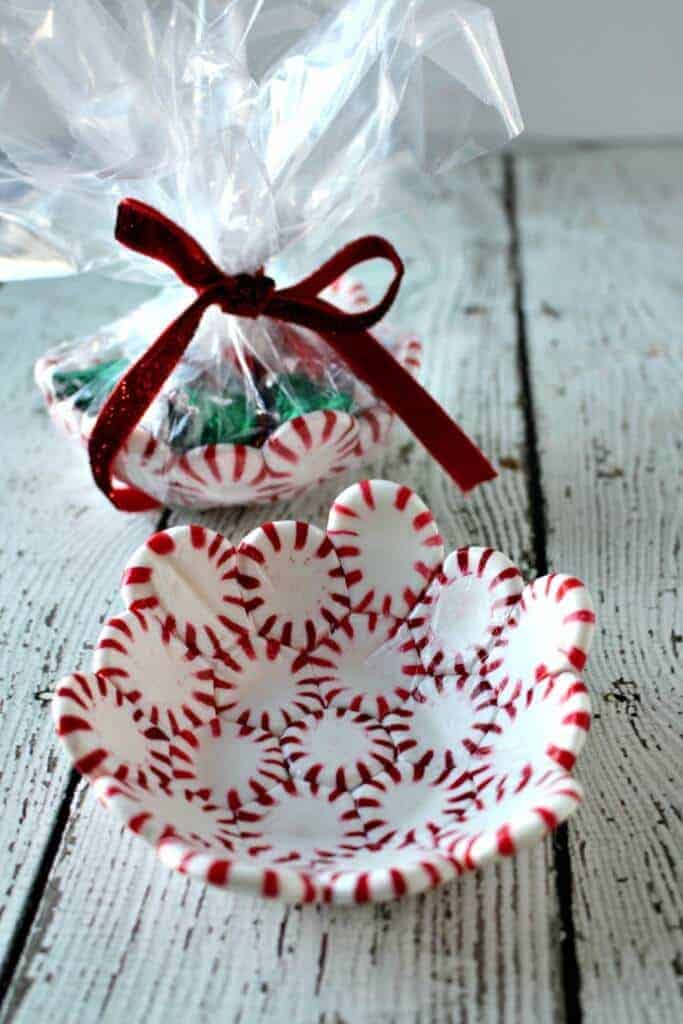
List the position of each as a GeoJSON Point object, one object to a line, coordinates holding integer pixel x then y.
{"type": "Point", "coordinates": [595, 68]}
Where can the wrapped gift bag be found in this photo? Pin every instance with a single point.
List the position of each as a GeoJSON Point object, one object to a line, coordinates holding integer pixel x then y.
{"type": "Point", "coordinates": [193, 145]}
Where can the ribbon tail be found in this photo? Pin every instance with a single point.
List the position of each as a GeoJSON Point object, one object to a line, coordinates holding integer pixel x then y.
{"type": "Point", "coordinates": [130, 400]}
{"type": "Point", "coordinates": [441, 436]}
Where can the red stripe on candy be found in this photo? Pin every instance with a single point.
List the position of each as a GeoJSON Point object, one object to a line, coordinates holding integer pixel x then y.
{"type": "Point", "coordinates": [432, 871]}
{"type": "Point", "coordinates": [563, 757]}
{"type": "Point", "coordinates": [91, 761]}
{"type": "Point", "coordinates": [403, 496]}
{"type": "Point", "coordinates": [398, 881]}
{"type": "Point", "coordinates": [580, 718]}
{"type": "Point", "coordinates": [210, 460]}
{"type": "Point", "coordinates": [569, 584]}
{"type": "Point", "coordinates": [136, 823]}
{"type": "Point", "coordinates": [365, 488]}
{"type": "Point", "coordinates": [584, 615]}
{"type": "Point", "coordinates": [308, 894]}
{"type": "Point", "coordinates": [301, 534]}
{"type": "Point", "coordinates": [161, 543]}
{"type": "Point", "coordinates": [137, 574]}
{"type": "Point", "coordinates": [483, 561]}
{"type": "Point", "coordinates": [362, 891]}
{"type": "Point", "coordinates": [577, 658]}
{"type": "Point", "coordinates": [301, 427]}
{"type": "Point", "coordinates": [72, 723]}
{"type": "Point", "coordinates": [283, 451]}
{"type": "Point", "coordinates": [271, 884]}
{"type": "Point", "coordinates": [506, 846]}
{"type": "Point", "coordinates": [240, 460]}
{"type": "Point", "coordinates": [422, 519]}
{"type": "Point", "coordinates": [273, 536]}
{"type": "Point", "coordinates": [219, 872]}
{"type": "Point", "coordinates": [330, 421]}
{"type": "Point", "coordinates": [549, 819]}
{"type": "Point", "coordinates": [506, 574]}
{"type": "Point", "coordinates": [197, 536]}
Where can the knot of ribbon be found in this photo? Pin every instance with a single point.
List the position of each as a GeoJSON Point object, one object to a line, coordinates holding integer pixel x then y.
{"type": "Point", "coordinates": [145, 230]}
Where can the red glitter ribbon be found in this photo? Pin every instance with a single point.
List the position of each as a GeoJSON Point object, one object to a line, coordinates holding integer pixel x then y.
{"type": "Point", "coordinates": [147, 231]}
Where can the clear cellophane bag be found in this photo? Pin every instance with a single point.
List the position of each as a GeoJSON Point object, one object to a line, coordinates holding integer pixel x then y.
{"type": "Point", "coordinates": [254, 124]}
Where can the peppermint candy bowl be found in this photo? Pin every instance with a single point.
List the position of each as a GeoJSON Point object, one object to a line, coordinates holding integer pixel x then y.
{"type": "Point", "coordinates": [341, 716]}
{"type": "Point", "coordinates": [298, 452]}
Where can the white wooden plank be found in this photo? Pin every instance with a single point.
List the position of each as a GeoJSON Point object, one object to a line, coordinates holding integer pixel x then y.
{"type": "Point", "coordinates": [60, 550]}
{"type": "Point", "coordinates": [602, 255]}
{"type": "Point", "coordinates": [119, 938]}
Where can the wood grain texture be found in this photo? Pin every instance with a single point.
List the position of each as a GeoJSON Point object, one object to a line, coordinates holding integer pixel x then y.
{"type": "Point", "coordinates": [118, 937]}
{"type": "Point", "coordinates": [602, 259]}
{"type": "Point", "coordinates": [60, 554]}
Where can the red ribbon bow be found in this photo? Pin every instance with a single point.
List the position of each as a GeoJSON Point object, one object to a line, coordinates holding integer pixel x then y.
{"type": "Point", "coordinates": [146, 230]}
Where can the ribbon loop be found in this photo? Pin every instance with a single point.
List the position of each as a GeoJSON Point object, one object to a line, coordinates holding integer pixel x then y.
{"type": "Point", "coordinates": [145, 230]}
{"type": "Point", "coordinates": [300, 304]}
{"type": "Point", "coordinates": [149, 232]}
{"type": "Point", "coordinates": [362, 250]}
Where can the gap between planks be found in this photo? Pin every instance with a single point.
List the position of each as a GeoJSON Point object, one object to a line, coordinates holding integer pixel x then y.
{"type": "Point", "coordinates": [601, 256]}
{"type": "Point", "coordinates": [40, 880]}
{"type": "Point", "coordinates": [571, 973]}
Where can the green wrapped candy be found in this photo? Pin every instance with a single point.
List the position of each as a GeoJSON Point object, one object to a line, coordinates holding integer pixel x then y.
{"type": "Point", "coordinates": [89, 386]}
{"type": "Point", "coordinates": [295, 394]}
{"type": "Point", "coordinates": [197, 418]}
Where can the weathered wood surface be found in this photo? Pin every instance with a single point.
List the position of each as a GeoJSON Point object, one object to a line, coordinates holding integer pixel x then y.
{"type": "Point", "coordinates": [597, 309]}
{"type": "Point", "coordinates": [59, 559]}
{"type": "Point", "coordinates": [602, 260]}
{"type": "Point", "coordinates": [117, 936]}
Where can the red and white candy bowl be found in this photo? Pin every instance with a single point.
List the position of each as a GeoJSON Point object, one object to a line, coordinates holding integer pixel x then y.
{"type": "Point", "coordinates": [341, 716]}
{"type": "Point", "coordinates": [300, 452]}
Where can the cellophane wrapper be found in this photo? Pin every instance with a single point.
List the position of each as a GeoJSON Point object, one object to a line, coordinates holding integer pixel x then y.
{"type": "Point", "coordinates": [253, 124]}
